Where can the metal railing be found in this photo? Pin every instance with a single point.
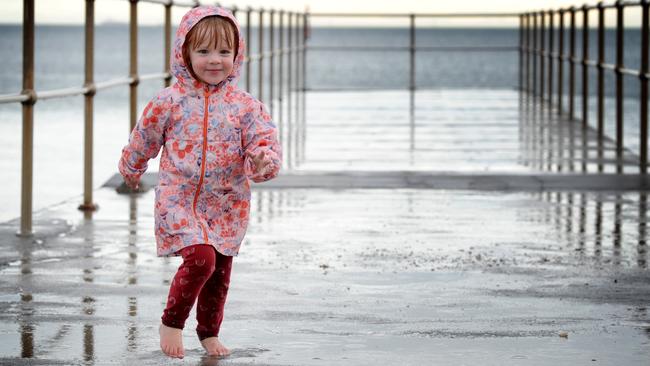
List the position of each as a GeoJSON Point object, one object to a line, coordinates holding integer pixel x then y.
{"type": "Point", "coordinates": [285, 92]}
{"type": "Point", "coordinates": [288, 86]}
{"type": "Point", "coordinates": [535, 49]}
{"type": "Point", "coordinates": [412, 47]}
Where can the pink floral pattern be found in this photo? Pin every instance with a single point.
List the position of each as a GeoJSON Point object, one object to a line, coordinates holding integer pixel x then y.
{"type": "Point", "coordinates": [205, 132]}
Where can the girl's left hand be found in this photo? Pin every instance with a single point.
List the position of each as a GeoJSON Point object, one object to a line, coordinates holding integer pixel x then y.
{"type": "Point", "coordinates": [259, 162]}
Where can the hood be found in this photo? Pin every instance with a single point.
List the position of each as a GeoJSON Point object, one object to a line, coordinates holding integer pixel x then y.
{"type": "Point", "coordinates": [178, 67]}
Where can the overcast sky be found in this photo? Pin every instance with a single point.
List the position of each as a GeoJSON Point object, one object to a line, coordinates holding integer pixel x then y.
{"type": "Point", "coordinates": [72, 11]}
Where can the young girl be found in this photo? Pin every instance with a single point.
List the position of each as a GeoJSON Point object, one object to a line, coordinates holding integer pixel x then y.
{"type": "Point", "coordinates": [215, 138]}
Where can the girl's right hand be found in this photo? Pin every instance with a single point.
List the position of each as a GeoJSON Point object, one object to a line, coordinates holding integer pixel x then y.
{"type": "Point", "coordinates": [134, 185]}
{"type": "Point", "coordinates": [259, 162]}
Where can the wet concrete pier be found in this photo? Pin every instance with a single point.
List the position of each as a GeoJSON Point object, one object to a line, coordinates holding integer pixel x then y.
{"type": "Point", "coordinates": [437, 237]}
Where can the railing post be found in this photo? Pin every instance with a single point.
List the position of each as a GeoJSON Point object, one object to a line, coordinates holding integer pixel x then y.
{"type": "Point", "coordinates": [281, 75]}
{"type": "Point", "coordinates": [528, 52]}
{"type": "Point", "coordinates": [643, 95]}
{"type": "Point", "coordinates": [289, 124]}
{"type": "Point", "coordinates": [542, 51]}
{"type": "Point", "coordinates": [551, 15]}
{"type": "Point", "coordinates": [88, 204]}
{"type": "Point", "coordinates": [572, 82]}
{"type": "Point", "coordinates": [585, 66]}
{"type": "Point", "coordinates": [260, 36]}
{"type": "Point", "coordinates": [550, 87]}
{"type": "Point", "coordinates": [271, 60]}
{"type": "Point", "coordinates": [521, 50]}
{"type": "Point", "coordinates": [560, 64]}
{"type": "Point", "coordinates": [585, 84]}
{"type": "Point", "coordinates": [133, 65]}
{"type": "Point", "coordinates": [168, 43]}
{"type": "Point", "coordinates": [601, 84]}
{"type": "Point", "coordinates": [535, 51]}
{"type": "Point", "coordinates": [248, 49]}
{"type": "Point", "coordinates": [28, 120]}
{"type": "Point", "coordinates": [296, 87]}
{"type": "Point", "coordinates": [619, 86]}
{"type": "Point", "coordinates": [305, 35]}
{"type": "Point", "coordinates": [560, 87]}
{"type": "Point", "coordinates": [303, 79]}
{"type": "Point", "coordinates": [412, 53]}
{"type": "Point", "coordinates": [572, 55]}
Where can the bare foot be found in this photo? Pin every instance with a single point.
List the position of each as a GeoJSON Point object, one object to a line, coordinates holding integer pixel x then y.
{"type": "Point", "coordinates": [214, 347]}
{"type": "Point", "coordinates": [171, 341]}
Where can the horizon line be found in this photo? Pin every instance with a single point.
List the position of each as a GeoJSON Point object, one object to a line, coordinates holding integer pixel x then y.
{"type": "Point", "coordinates": [499, 26]}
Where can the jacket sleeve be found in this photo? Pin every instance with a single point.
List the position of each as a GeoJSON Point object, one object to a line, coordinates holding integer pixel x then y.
{"type": "Point", "coordinates": [259, 133]}
{"type": "Point", "coordinates": [145, 140]}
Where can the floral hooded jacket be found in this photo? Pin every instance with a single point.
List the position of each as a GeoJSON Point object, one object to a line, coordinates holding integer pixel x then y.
{"type": "Point", "coordinates": [205, 131]}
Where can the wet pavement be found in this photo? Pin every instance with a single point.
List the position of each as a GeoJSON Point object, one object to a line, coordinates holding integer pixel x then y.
{"type": "Point", "coordinates": [382, 272]}
{"type": "Point", "coordinates": [353, 277]}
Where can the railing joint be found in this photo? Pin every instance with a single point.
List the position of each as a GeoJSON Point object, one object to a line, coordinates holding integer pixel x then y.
{"type": "Point", "coordinates": [31, 97]}
{"type": "Point", "coordinates": [135, 80]}
{"type": "Point", "coordinates": [91, 89]}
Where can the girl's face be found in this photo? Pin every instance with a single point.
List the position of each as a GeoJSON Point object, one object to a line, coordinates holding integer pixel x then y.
{"type": "Point", "coordinates": [212, 65]}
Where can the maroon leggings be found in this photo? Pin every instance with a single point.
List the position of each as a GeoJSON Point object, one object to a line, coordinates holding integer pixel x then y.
{"type": "Point", "coordinates": [205, 273]}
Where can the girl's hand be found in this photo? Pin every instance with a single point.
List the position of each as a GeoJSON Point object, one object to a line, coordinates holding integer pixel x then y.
{"type": "Point", "coordinates": [259, 162]}
{"type": "Point", "coordinates": [134, 185]}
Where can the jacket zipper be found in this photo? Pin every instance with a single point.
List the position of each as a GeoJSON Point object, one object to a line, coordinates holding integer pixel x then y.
{"type": "Point", "coordinates": [203, 156]}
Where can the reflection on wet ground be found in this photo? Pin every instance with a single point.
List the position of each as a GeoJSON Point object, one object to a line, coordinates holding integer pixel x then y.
{"type": "Point", "coordinates": [553, 143]}
{"type": "Point", "coordinates": [608, 228]}
{"type": "Point", "coordinates": [328, 276]}
{"type": "Point", "coordinates": [451, 131]}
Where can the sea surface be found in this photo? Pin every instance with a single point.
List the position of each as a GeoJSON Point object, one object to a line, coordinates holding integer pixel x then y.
{"type": "Point", "coordinates": [58, 126]}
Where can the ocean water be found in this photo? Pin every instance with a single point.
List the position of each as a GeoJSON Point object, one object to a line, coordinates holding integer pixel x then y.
{"type": "Point", "coordinates": [58, 129]}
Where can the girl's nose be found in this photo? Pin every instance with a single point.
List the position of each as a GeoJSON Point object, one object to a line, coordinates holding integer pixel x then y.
{"type": "Point", "coordinates": [214, 58]}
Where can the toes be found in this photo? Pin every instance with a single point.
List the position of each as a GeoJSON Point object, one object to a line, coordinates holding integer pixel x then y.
{"type": "Point", "coordinates": [167, 350]}
{"type": "Point", "coordinates": [171, 351]}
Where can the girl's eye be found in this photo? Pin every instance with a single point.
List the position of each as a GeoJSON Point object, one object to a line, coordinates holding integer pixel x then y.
{"type": "Point", "coordinates": [225, 52]}
{"type": "Point", "coordinates": [202, 52]}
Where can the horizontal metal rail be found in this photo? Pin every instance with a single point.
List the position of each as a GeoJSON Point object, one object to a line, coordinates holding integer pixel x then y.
{"type": "Point", "coordinates": [60, 93]}
{"type": "Point", "coordinates": [113, 83]}
{"type": "Point", "coordinates": [73, 91]}
{"type": "Point", "coordinates": [13, 98]}
{"type": "Point", "coordinates": [421, 48]}
{"type": "Point", "coordinates": [418, 15]}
